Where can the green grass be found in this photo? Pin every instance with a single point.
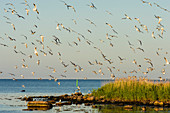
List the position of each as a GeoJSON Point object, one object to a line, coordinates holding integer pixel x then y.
{"type": "Point", "coordinates": [131, 89]}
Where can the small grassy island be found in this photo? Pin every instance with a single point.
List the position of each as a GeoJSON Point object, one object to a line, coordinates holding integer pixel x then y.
{"type": "Point", "coordinates": [131, 89]}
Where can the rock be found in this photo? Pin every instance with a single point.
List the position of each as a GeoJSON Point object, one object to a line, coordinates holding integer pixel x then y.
{"type": "Point", "coordinates": [29, 99]}
{"type": "Point", "coordinates": [102, 97]}
{"type": "Point", "coordinates": [87, 104]}
{"type": "Point", "coordinates": [84, 97]}
{"type": "Point", "coordinates": [94, 106]}
{"type": "Point", "coordinates": [158, 103]}
{"type": "Point", "coordinates": [79, 98]}
{"type": "Point", "coordinates": [78, 93]}
{"type": "Point", "coordinates": [39, 104]}
{"type": "Point", "coordinates": [90, 94]}
{"type": "Point", "coordinates": [66, 95]}
{"type": "Point", "coordinates": [22, 90]}
{"type": "Point", "coordinates": [128, 107]}
{"type": "Point", "coordinates": [63, 103]}
{"type": "Point", "coordinates": [51, 101]}
{"type": "Point", "coordinates": [156, 109]}
{"type": "Point", "coordinates": [143, 108]}
{"type": "Point", "coordinates": [103, 101]}
{"type": "Point", "coordinates": [161, 109]}
{"type": "Point", "coordinates": [92, 98]}
{"type": "Point", "coordinates": [23, 99]}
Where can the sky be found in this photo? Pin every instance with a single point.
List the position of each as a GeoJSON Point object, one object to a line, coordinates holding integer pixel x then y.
{"type": "Point", "coordinates": [55, 12]}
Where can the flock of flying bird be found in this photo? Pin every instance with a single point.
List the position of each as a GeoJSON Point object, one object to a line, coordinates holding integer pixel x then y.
{"type": "Point", "coordinates": [47, 50]}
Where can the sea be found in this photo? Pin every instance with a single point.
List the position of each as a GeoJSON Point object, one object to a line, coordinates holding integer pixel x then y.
{"type": "Point", "coordinates": [10, 90]}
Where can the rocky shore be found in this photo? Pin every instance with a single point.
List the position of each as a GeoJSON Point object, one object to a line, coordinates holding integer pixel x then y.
{"type": "Point", "coordinates": [79, 98]}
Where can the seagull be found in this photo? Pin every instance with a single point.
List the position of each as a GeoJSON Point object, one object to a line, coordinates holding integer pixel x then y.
{"type": "Point", "coordinates": [74, 21]}
{"type": "Point", "coordinates": [140, 42]}
{"type": "Point", "coordinates": [4, 45]}
{"type": "Point", "coordinates": [35, 51]}
{"type": "Point", "coordinates": [57, 40]}
{"type": "Point", "coordinates": [130, 44]}
{"type": "Point", "coordinates": [146, 2]}
{"type": "Point", "coordinates": [90, 63]}
{"type": "Point", "coordinates": [132, 49]}
{"type": "Point", "coordinates": [38, 62]}
{"type": "Point", "coordinates": [35, 8]}
{"type": "Point", "coordinates": [33, 73]}
{"type": "Point", "coordinates": [111, 44]}
{"type": "Point", "coordinates": [27, 11]}
{"type": "Point", "coordinates": [137, 19]}
{"type": "Point", "coordinates": [92, 6]}
{"type": "Point", "coordinates": [127, 17]}
{"type": "Point", "coordinates": [163, 71]}
{"type": "Point", "coordinates": [91, 22]}
{"type": "Point", "coordinates": [140, 49]}
{"type": "Point", "coordinates": [160, 78]}
{"type": "Point", "coordinates": [109, 25]}
{"type": "Point", "coordinates": [112, 76]}
{"type": "Point", "coordinates": [162, 30]}
{"type": "Point", "coordinates": [45, 54]}
{"type": "Point", "coordinates": [20, 16]}
{"type": "Point", "coordinates": [12, 25]}
{"type": "Point", "coordinates": [153, 36]}
{"type": "Point", "coordinates": [22, 77]}
{"type": "Point", "coordinates": [167, 62]}
{"type": "Point", "coordinates": [33, 32]}
{"type": "Point", "coordinates": [158, 17]}
{"type": "Point", "coordinates": [68, 6]}
{"type": "Point", "coordinates": [23, 86]}
{"type": "Point", "coordinates": [13, 11]}
{"type": "Point", "coordinates": [42, 38]}
{"type": "Point", "coordinates": [109, 69]}
{"type": "Point", "coordinates": [76, 70]}
{"type": "Point", "coordinates": [25, 44]}
{"type": "Point", "coordinates": [121, 58]}
{"type": "Point", "coordinates": [160, 36]}
{"type": "Point", "coordinates": [58, 83]}
{"type": "Point", "coordinates": [89, 31]}
{"type": "Point", "coordinates": [137, 29]}
{"type": "Point", "coordinates": [134, 61]}
{"type": "Point", "coordinates": [144, 27]}
{"type": "Point", "coordinates": [24, 36]}
{"type": "Point", "coordinates": [73, 64]}
{"type": "Point", "coordinates": [6, 17]}
{"type": "Point", "coordinates": [78, 39]}
{"type": "Point", "coordinates": [150, 63]}
{"type": "Point", "coordinates": [109, 12]}
{"type": "Point", "coordinates": [75, 43]}
{"type": "Point", "coordinates": [94, 72]}
{"type": "Point", "coordinates": [59, 54]}
{"type": "Point", "coordinates": [10, 4]}
{"type": "Point", "coordinates": [6, 10]}
{"type": "Point", "coordinates": [157, 53]}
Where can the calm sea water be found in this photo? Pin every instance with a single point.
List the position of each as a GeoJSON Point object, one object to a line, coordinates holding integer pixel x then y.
{"type": "Point", "coordinates": [10, 90]}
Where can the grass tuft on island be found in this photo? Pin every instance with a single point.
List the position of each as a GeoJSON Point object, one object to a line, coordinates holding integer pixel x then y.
{"type": "Point", "coordinates": [131, 89]}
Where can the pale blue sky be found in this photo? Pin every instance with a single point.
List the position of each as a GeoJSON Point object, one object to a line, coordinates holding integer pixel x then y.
{"type": "Point", "coordinates": [54, 11]}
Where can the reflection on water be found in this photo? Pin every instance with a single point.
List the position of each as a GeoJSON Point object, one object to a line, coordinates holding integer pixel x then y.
{"type": "Point", "coordinates": [121, 109]}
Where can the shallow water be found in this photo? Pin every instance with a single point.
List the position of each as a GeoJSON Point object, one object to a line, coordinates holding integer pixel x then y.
{"type": "Point", "coordinates": [11, 90]}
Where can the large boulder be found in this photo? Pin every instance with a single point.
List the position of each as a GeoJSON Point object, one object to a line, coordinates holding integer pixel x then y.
{"type": "Point", "coordinates": [39, 104]}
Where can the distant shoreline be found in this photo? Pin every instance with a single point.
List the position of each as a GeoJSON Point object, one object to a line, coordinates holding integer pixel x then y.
{"type": "Point", "coordinates": [76, 79]}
